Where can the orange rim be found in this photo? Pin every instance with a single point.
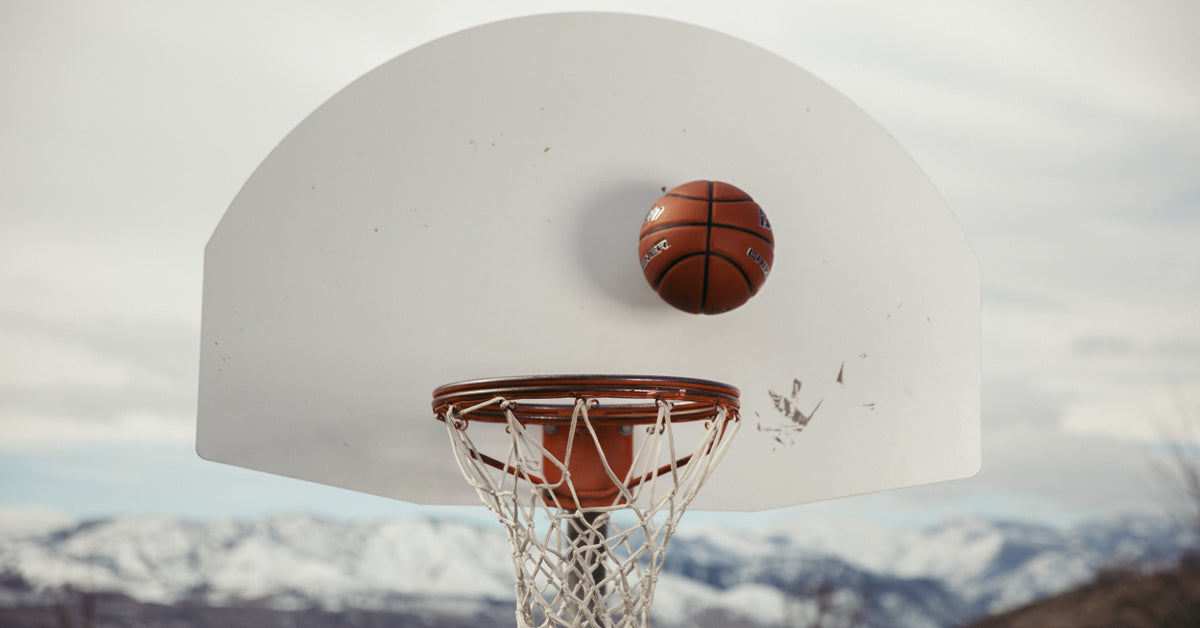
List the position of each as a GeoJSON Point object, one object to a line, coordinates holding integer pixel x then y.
{"type": "Point", "coordinates": [615, 398]}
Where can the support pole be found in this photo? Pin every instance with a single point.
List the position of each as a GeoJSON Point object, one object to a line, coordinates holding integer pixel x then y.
{"type": "Point", "coordinates": [586, 534]}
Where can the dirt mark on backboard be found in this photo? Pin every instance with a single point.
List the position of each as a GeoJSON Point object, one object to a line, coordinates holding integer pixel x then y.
{"type": "Point", "coordinates": [794, 420]}
{"type": "Point", "coordinates": [791, 419]}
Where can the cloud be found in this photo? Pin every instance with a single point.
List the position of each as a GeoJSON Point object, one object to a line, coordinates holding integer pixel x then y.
{"type": "Point", "coordinates": [1174, 353]}
{"type": "Point", "coordinates": [44, 431]}
{"type": "Point", "coordinates": [72, 383]}
{"type": "Point", "coordinates": [1032, 474]}
{"type": "Point", "coordinates": [33, 518]}
{"type": "Point", "coordinates": [1019, 401]}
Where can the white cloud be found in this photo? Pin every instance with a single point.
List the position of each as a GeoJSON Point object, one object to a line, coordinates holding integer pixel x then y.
{"type": "Point", "coordinates": [49, 432]}
{"type": "Point", "coordinates": [71, 384]}
{"type": "Point", "coordinates": [30, 519]}
{"type": "Point", "coordinates": [1138, 413]}
{"type": "Point", "coordinates": [42, 364]}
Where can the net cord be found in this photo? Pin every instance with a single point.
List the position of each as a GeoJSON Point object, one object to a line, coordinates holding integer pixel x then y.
{"type": "Point", "coordinates": [579, 582]}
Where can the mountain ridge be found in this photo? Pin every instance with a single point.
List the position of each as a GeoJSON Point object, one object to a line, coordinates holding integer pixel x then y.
{"type": "Point", "coordinates": [943, 575]}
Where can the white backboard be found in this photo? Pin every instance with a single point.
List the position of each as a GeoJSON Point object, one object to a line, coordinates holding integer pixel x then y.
{"type": "Point", "coordinates": [471, 209]}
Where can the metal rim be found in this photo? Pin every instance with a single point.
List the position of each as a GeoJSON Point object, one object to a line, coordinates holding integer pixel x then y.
{"type": "Point", "coordinates": [611, 398]}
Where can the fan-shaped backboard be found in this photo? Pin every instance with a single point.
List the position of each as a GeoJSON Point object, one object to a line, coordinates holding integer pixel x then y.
{"type": "Point", "coordinates": [471, 209]}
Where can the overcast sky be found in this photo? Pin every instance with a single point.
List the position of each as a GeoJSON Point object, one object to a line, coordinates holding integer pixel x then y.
{"type": "Point", "coordinates": [1064, 135]}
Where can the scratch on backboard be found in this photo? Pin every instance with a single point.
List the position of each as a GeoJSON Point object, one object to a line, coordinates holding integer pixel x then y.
{"type": "Point", "coordinates": [794, 419]}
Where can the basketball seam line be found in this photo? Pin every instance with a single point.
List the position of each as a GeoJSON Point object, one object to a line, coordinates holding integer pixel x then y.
{"type": "Point", "coordinates": [703, 224]}
{"type": "Point", "coordinates": [675, 262]}
{"type": "Point", "coordinates": [715, 200]}
{"type": "Point", "coordinates": [707, 251]}
{"type": "Point", "coordinates": [738, 267]}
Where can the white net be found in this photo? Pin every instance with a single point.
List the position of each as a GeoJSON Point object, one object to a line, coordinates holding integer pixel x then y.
{"type": "Point", "coordinates": [582, 560]}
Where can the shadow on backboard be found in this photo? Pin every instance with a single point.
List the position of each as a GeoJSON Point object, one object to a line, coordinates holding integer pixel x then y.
{"type": "Point", "coordinates": [607, 235]}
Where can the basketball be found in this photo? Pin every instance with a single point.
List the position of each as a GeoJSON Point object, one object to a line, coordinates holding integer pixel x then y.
{"type": "Point", "coordinates": [706, 247]}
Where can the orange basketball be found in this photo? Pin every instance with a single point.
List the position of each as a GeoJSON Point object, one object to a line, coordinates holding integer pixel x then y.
{"type": "Point", "coordinates": [706, 247]}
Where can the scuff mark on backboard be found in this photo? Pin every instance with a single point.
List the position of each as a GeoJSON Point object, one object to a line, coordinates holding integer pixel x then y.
{"type": "Point", "coordinates": [794, 419]}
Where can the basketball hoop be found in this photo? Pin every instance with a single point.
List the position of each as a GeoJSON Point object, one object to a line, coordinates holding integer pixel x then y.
{"type": "Point", "coordinates": [609, 462]}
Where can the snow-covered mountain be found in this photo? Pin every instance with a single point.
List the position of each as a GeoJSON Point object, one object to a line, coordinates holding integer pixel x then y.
{"type": "Point", "coordinates": [845, 574]}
